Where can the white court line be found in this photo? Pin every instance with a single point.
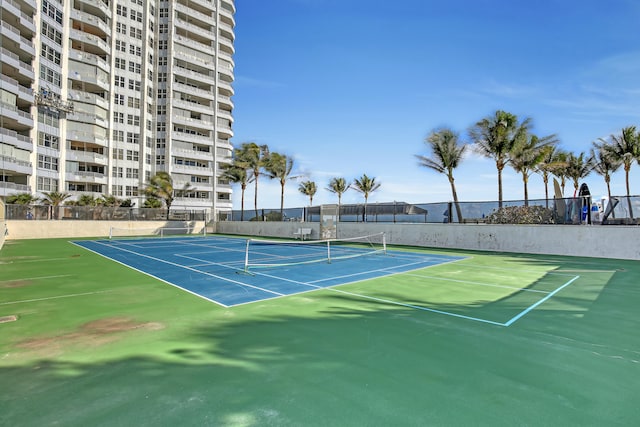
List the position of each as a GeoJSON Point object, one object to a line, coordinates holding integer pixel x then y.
{"type": "Point", "coordinates": [477, 283]}
{"type": "Point", "coordinates": [56, 297]}
{"type": "Point", "coordinates": [531, 307]}
{"type": "Point", "coordinates": [35, 278]}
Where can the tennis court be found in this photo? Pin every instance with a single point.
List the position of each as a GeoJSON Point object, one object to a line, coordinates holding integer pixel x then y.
{"type": "Point", "coordinates": [217, 269]}
{"type": "Point", "coordinates": [125, 332]}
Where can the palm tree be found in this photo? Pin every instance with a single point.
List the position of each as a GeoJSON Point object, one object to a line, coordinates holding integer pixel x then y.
{"type": "Point", "coordinates": [86, 200]}
{"type": "Point", "coordinates": [366, 186]}
{"type": "Point", "coordinates": [160, 187]}
{"type": "Point", "coordinates": [308, 188]}
{"type": "Point", "coordinates": [494, 138]}
{"type": "Point", "coordinates": [604, 163]}
{"type": "Point", "coordinates": [527, 153]}
{"type": "Point", "coordinates": [253, 157]}
{"type": "Point", "coordinates": [278, 166]}
{"type": "Point", "coordinates": [236, 173]}
{"type": "Point", "coordinates": [552, 159]}
{"type": "Point", "coordinates": [22, 199]}
{"type": "Point", "coordinates": [338, 186]}
{"type": "Point", "coordinates": [578, 167]}
{"type": "Point", "coordinates": [55, 199]}
{"type": "Point", "coordinates": [447, 154]}
{"type": "Point", "coordinates": [626, 149]}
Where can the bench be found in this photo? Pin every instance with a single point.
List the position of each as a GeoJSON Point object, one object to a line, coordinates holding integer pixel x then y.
{"type": "Point", "coordinates": [302, 232]}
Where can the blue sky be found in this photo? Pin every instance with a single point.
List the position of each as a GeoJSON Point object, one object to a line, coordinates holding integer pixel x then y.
{"type": "Point", "coordinates": [352, 87]}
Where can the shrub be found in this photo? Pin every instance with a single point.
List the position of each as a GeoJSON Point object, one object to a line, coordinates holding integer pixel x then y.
{"type": "Point", "coordinates": [521, 215]}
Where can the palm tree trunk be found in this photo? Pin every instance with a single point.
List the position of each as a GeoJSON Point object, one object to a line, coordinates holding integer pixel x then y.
{"type": "Point", "coordinates": [500, 187]}
{"type": "Point", "coordinates": [282, 202]}
{"type": "Point", "coordinates": [455, 200]}
{"type": "Point", "coordinates": [255, 197]}
{"type": "Point", "coordinates": [525, 181]}
{"type": "Point", "coordinates": [242, 206]}
{"type": "Point", "coordinates": [626, 170]}
{"type": "Point", "coordinates": [545, 178]}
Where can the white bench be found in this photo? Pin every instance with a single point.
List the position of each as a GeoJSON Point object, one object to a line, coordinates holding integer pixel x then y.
{"type": "Point", "coordinates": [302, 233]}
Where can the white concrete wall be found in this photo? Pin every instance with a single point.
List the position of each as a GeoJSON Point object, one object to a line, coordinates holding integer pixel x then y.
{"type": "Point", "coordinates": [25, 229]}
{"type": "Point", "coordinates": [620, 242]}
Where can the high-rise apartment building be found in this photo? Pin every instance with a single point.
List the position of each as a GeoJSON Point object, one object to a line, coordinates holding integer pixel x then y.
{"type": "Point", "coordinates": [99, 95]}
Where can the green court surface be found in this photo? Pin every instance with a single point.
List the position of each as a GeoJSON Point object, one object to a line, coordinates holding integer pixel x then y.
{"type": "Point", "coordinates": [491, 339]}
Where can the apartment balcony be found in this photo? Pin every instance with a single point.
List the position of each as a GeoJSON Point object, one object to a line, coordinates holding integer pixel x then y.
{"type": "Point", "coordinates": [192, 170]}
{"type": "Point", "coordinates": [12, 164]}
{"type": "Point", "coordinates": [8, 188]}
{"type": "Point", "coordinates": [88, 98]}
{"type": "Point", "coordinates": [192, 123]}
{"type": "Point", "coordinates": [204, 78]}
{"type": "Point", "coordinates": [12, 33]}
{"type": "Point", "coordinates": [89, 42]}
{"type": "Point", "coordinates": [14, 118]}
{"type": "Point", "coordinates": [92, 119]}
{"type": "Point", "coordinates": [191, 154]}
{"type": "Point", "coordinates": [11, 137]}
{"type": "Point", "coordinates": [88, 58]}
{"type": "Point", "coordinates": [224, 131]}
{"type": "Point", "coordinates": [205, 5]}
{"type": "Point", "coordinates": [19, 70]}
{"type": "Point", "coordinates": [195, 45]}
{"type": "Point", "coordinates": [192, 106]}
{"type": "Point", "coordinates": [94, 7]}
{"type": "Point", "coordinates": [79, 135]}
{"type": "Point", "coordinates": [18, 18]}
{"type": "Point", "coordinates": [91, 82]}
{"type": "Point", "coordinates": [225, 101]}
{"type": "Point", "coordinates": [226, 86]}
{"type": "Point", "coordinates": [206, 19]}
{"type": "Point", "coordinates": [24, 95]}
{"type": "Point", "coordinates": [227, 10]}
{"type": "Point", "coordinates": [223, 26]}
{"type": "Point", "coordinates": [188, 137]}
{"type": "Point", "coordinates": [86, 177]}
{"type": "Point", "coordinates": [87, 157]}
{"type": "Point", "coordinates": [225, 114]}
{"type": "Point", "coordinates": [89, 23]}
{"type": "Point", "coordinates": [228, 43]}
{"type": "Point", "coordinates": [205, 34]}
{"type": "Point", "coordinates": [191, 56]}
{"type": "Point", "coordinates": [186, 89]}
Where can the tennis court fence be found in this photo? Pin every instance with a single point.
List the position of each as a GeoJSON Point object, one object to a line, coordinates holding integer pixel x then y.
{"type": "Point", "coordinates": [102, 213]}
{"type": "Point", "coordinates": [574, 210]}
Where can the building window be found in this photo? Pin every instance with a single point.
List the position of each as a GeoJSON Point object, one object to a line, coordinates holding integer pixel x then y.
{"type": "Point", "coordinates": [118, 99]}
{"type": "Point", "coordinates": [121, 10]}
{"type": "Point", "coordinates": [133, 155]}
{"type": "Point", "coordinates": [132, 173]}
{"type": "Point", "coordinates": [50, 53]}
{"type": "Point", "coordinates": [49, 31]}
{"type": "Point", "coordinates": [119, 81]}
{"type": "Point", "coordinates": [50, 141]}
{"type": "Point", "coordinates": [47, 184]}
{"type": "Point", "coordinates": [47, 162]}
{"type": "Point", "coordinates": [118, 117]}
{"type": "Point", "coordinates": [51, 11]}
{"type": "Point", "coordinates": [121, 46]}
{"type": "Point", "coordinates": [117, 190]}
{"type": "Point", "coordinates": [131, 191]}
{"type": "Point", "coordinates": [133, 138]}
{"type": "Point", "coordinates": [132, 119]}
{"type": "Point", "coordinates": [116, 172]}
{"type": "Point", "coordinates": [50, 76]}
{"type": "Point", "coordinates": [118, 135]}
{"type": "Point", "coordinates": [118, 154]}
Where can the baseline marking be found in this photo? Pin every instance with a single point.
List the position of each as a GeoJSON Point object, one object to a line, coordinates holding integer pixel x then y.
{"type": "Point", "coordinates": [35, 278]}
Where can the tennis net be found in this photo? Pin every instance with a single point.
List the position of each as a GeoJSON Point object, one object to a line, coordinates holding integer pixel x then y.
{"type": "Point", "coordinates": [263, 253]}
{"type": "Point", "coordinates": [155, 232]}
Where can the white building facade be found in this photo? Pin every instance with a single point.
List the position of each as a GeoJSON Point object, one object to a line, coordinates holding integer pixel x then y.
{"type": "Point", "coordinates": [99, 95]}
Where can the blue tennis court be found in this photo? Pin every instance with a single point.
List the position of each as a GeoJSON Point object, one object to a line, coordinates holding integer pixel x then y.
{"type": "Point", "coordinates": [215, 268]}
